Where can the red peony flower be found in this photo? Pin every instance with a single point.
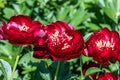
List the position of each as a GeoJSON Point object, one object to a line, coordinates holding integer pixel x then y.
{"type": "Point", "coordinates": [119, 57]}
{"type": "Point", "coordinates": [103, 46]}
{"type": "Point", "coordinates": [40, 43]}
{"type": "Point", "coordinates": [63, 41]}
{"type": "Point", "coordinates": [41, 52]}
{"type": "Point", "coordinates": [118, 77]}
{"type": "Point", "coordinates": [1, 34]}
{"type": "Point", "coordinates": [20, 29]}
{"type": "Point", "coordinates": [108, 76]}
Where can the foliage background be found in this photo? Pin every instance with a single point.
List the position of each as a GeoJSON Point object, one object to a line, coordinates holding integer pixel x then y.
{"type": "Point", "coordinates": [85, 15]}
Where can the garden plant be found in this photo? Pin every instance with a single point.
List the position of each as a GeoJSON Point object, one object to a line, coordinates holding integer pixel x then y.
{"type": "Point", "coordinates": [59, 39]}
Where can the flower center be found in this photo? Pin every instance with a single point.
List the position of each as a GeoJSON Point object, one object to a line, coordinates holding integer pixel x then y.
{"type": "Point", "coordinates": [60, 39]}
{"type": "Point", "coordinates": [24, 28]}
{"type": "Point", "coordinates": [65, 46]}
{"type": "Point", "coordinates": [102, 44]}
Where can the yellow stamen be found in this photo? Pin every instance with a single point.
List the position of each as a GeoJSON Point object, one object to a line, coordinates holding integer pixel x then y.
{"type": "Point", "coordinates": [60, 38]}
{"type": "Point", "coordinates": [24, 28]}
{"type": "Point", "coordinates": [65, 46]}
{"type": "Point", "coordinates": [102, 44]}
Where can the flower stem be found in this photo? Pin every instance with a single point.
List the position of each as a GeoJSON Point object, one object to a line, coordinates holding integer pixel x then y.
{"type": "Point", "coordinates": [118, 69]}
{"type": "Point", "coordinates": [56, 73]}
{"type": "Point", "coordinates": [14, 68]}
{"type": "Point", "coordinates": [98, 72]}
{"type": "Point", "coordinates": [81, 73]}
{"type": "Point", "coordinates": [16, 62]}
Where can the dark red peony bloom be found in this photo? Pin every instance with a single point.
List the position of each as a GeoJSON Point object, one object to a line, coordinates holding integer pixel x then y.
{"type": "Point", "coordinates": [108, 76]}
{"type": "Point", "coordinates": [20, 29]}
{"type": "Point", "coordinates": [63, 41]}
{"type": "Point", "coordinates": [103, 46]}
{"type": "Point", "coordinates": [119, 57]}
{"type": "Point", "coordinates": [1, 34]}
{"type": "Point", "coordinates": [41, 50]}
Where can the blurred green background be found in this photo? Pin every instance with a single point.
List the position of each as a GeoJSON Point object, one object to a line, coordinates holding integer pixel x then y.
{"type": "Point", "coordinates": [85, 15]}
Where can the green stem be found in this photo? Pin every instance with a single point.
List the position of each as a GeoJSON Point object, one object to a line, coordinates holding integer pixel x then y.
{"type": "Point", "coordinates": [14, 68]}
{"type": "Point", "coordinates": [81, 73]}
{"type": "Point", "coordinates": [118, 69]}
{"type": "Point", "coordinates": [56, 73]}
{"type": "Point", "coordinates": [46, 64]}
{"type": "Point", "coordinates": [16, 62]}
{"type": "Point", "coordinates": [98, 72]}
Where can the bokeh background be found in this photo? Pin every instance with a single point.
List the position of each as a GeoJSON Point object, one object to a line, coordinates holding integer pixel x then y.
{"type": "Point", "coordinates": [85, 15]}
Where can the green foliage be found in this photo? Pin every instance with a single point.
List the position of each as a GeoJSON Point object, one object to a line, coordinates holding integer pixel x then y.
{"type": "Point", "coordinates": [8, 51]}
{"type": "Point", "coordinates": [85, 15]}
{"type": "Point", "coordinates": [92, 70]}
{"type": "Point", "coordinates": [82, 14]}
{"type": "Point", "coordinates": [6, 69]}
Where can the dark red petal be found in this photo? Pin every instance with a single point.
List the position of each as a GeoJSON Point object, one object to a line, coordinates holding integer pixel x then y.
{"type": "Point", "coordinates": [41, 52]}
{"type": "Point", "coordinates": [66, 43]}
{"type": "Point", "coordinates": [106, 33]}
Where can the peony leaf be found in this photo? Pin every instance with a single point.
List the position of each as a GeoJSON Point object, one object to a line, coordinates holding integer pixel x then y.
{"type": "Point", "coordinates": [2, 3]}
{"type": "Point", "coordinates": [114, 66]}
{"type": "Point", "coordinates": [87, 36]}
{"type": "Point", "coordinates": [63, 69]}
{"type": "Point", "coordinates": [42, 72]}
{"type": "Point", "coordinates": [92, 70]}
{"type": "Point", "coordinates": [45, 76]}
{"type": "Point", "coordinates": [71, 77]}
{"type": "Point", "coordinates": [79, 19]}
{"type": "Point", "coordinates": [5, 48]}
{"type": "Point", "coordinates": [8, 12]}
{"type": "Point", "coordinates": [92, 26]}
{"type": "Point", "coordinates": [16, 8]}
{"type": "Point", "coordinates": [6, 69]}
{"type": "Point", "coordinates": [111, 8]}
{"type": "Point", "coordinates": [62, 13]}
{"type": "Point", "coordinates": [26, 59]}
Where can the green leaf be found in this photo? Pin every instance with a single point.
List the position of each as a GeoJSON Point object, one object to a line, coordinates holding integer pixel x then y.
{"type": "Point", "coordinates": [27, 77]}
{"type": "Point", "coordinates": [106, 69]}
{"type": "Point", "coordinates": [5, 48]}
{"type": "Point", "coordinates": [63, 70]}
{"type": "Point", "coordinates": [2, 4]}
{"type": "Point", "coordinates": [8, 51]}
{"type": "Point", "coordinates": [21, 1]}
{"type": "Point", "coordinates": [101, 3]}
{"type": "Point", "coordinates": [27, 59]}
{"type": "Point", "coordinates": [87, 36]}
{"type": "Point", "coordinates": [62, 13]}
{"type": "Point", "coordinates": [79, 16]}
{"type": "Point", "coordinates": [110, 13]}
{"type": "Point", "coordinates": [8, 12]}
{"type": "Point", "coordinates": [42, 72]}
{"type": "Point", "coordinates": [92, 70]}
{"type": "Point", "coordinates": [28, 69]}
{"type": "Point", "coordinates": [114, 66]}
{"type": "Point", "coordinates": [16, 8]}
{"type": "Point", "coordinates": [110, 8]}
{"type": "Point", "coordinates": [45, 76]}
{"type": "Point", "coordinates": [85, 59]}
{"type": "Point", "coordinates": [71, 77]}
{"type": "Point", "coordinates": [92, 26]}
{"type": "Point", "coordinates": [106, 25]}
{"type": "Point", "coordinates": [6, 69]}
